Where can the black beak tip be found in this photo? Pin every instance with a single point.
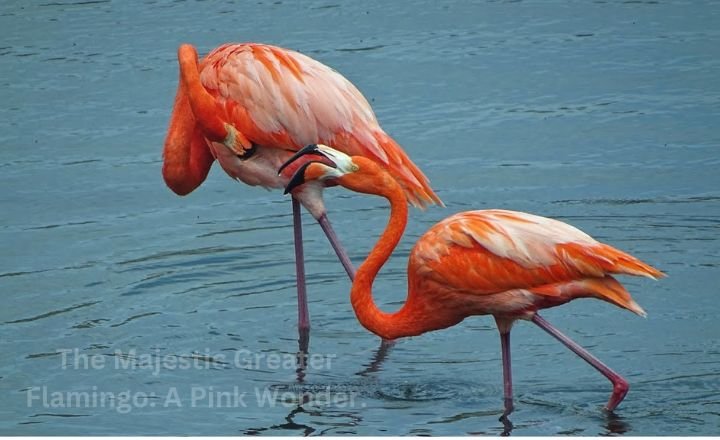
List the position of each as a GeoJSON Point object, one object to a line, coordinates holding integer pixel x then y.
{"type": "Point", "coordinates": [297, 179]}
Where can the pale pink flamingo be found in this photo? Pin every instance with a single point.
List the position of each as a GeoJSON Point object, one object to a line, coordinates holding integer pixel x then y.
{"type": "Point", "coordinates": [492, 262]}
{"type": "Point", "coordinates": [251, 106]}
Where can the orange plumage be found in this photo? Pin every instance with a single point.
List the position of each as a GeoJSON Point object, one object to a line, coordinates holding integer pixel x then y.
{"type": "Point", "coordinates": [251, 107]}
{"type": "Point", "coordinates": [276, 99]}
{"type": "Point", "coordinates": [491, 262]}
{"type": "Point", "coordinates": [492, 252]}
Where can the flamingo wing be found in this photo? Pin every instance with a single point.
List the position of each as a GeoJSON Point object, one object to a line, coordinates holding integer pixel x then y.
{"type": "Point", "coordinates": [494, 251]}
{"type": "Point", "coordinates": [280, 98]}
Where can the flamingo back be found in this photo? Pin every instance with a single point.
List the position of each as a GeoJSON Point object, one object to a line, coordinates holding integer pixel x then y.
{"type": "Point", "coordinates": [495, 251]}
{"type": "Point", "coordinates": [283, 99]}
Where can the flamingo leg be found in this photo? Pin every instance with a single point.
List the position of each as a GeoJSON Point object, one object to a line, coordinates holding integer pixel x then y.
{"type": "Point", "coordinates": [620, 385]}
{"type": "Point", "coordinates": [303, 314]}
{"type": "Point", "coordinates": [507, 374]}
{"type": "Point", "coordinates": [335, 242]}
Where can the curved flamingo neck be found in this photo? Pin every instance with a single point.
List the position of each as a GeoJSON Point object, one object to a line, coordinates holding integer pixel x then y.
{"type": "Point", "coordinates": [404, 321]}
{"type": "Point", "coordinates": [203, 105]}
{"type": "Point", "coordinates": [186, 156]}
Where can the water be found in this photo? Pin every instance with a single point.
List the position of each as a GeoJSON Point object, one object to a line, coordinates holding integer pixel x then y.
{"type": "Point", "coordinates": [602, 114]}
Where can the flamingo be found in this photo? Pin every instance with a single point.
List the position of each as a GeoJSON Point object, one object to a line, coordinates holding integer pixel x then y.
{"type": "Point", "coordinates": [250, 107]}
{"type": "Point", "coordinates": [490, 262]}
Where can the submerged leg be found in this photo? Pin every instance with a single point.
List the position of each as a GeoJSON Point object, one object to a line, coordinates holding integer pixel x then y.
{"type": "Point", "coordinates": [302, 355]}
{"type": "Point", "coordinates": [620, 385]}
{"type": "Point", "coordinates": [303, 315]}
{"type": "Point", "coordinates": [335, 242]}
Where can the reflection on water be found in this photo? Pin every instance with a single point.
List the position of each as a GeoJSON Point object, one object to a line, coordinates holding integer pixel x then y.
{"type": "Point", "coordinates": [615, 424]}
{"type": "Point", "coordinates": [378, 358]}
{"type": "Point", "coordinates": [601, 114]}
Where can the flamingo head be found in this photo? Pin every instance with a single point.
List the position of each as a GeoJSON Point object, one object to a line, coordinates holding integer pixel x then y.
{"type": "Point", "coordinates": [333, 167]}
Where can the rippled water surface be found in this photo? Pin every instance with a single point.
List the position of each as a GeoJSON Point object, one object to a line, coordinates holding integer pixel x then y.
{"type": "Point", "coordinates": [129, 310]}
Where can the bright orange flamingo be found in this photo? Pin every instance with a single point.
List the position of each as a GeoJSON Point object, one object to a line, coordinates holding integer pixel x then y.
{"type": "Point", "coordinates": [492, 262]}
{"type": "Point", "coordinates": [251, 106]}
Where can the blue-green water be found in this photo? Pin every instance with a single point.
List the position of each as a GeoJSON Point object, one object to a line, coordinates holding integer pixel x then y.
{"type": "Point", "coordinates": [128, 310]}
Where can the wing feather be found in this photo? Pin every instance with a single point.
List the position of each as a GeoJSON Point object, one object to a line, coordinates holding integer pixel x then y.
{"type": "Point", "coordinates": [281, 98]}
{"type": "Point", "coordinates": [492, 251]}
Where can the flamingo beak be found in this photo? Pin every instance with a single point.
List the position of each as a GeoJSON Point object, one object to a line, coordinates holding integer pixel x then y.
{"type": "Point", "coordinates": [335, 164]}
{"type": "Point", "coordinates": [309, 149]}
{"type": "Point", "coordinates": [298, 178]}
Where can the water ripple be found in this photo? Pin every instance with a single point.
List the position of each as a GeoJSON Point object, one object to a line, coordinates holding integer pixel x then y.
{"type": "Point", "coordinates": [134, 317]}
{"type": "Point", "coordinates": [53, 313]}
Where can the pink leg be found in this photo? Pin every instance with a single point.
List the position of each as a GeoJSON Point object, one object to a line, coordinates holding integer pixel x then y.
{"type": "Point", "coordinates": [507, 374]}
{"type": "Point", "coordinates": [335, 242]}
{"type": "Point", "coordinates": [303, 315]}
{"type": "Point", "coordinates": [620, 385]}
